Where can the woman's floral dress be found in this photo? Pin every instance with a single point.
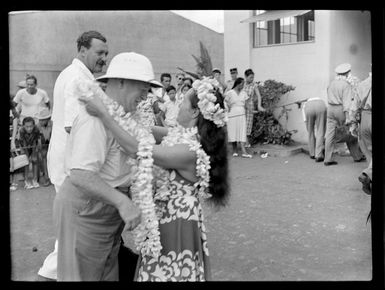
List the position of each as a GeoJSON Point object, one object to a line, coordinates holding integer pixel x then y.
{"type": "Point", "coordinates": [184, 255]}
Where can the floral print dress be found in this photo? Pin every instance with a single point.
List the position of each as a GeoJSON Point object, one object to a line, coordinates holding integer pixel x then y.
{"type": "Point", "coordinates": [184, 255]}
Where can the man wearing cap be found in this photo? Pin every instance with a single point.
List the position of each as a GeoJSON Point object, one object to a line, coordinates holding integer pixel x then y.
{"type": "Point", "coordinates": [92, 205]}
{"type": "Point", "coordinates": [339, 97]}
{"type": "Point", "coordinates": [92, 56]}
{"type": "Point", "coordinates": [230, 83]}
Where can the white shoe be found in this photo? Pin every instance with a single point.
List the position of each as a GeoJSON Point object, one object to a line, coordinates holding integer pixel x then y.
{"type": "Point", "coordinates": [35, 184]}
{"type": "Point", "coordinates": [247, 156]}
{"type": "Point", "coordinates": [235, 154]}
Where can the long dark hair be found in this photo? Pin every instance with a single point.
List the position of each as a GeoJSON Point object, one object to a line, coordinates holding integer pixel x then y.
{"type": "Point", "coordinates": [214, 143]}
{"type": "Point", "coordinates": [237, 82]}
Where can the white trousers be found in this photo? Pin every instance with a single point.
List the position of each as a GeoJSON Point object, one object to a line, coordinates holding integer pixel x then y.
{"type": "Point", "coordinates": [49, 268]}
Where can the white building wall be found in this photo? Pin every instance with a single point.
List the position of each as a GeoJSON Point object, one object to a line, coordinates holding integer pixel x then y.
{"type": "Point", "coordinates": [339, 37]}
{"type": "Point", "coordinates": [351, 41]}
{"type": "Point", "coordinates": [44, 42]}
{"type": "Point", "coordinates": [237, 42]}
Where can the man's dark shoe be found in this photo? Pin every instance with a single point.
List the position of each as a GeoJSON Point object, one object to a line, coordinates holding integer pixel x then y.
{"type": "Point", "coordinates": [366, 183]}
{"type": "Point", "coordinates": [312, 157]}
{"type": "Point", "coordinates": [361, 159]}
{"type": "Point", "coordinates": [330, 163]}
{"type": "Point", "coordinates": [319, 159]}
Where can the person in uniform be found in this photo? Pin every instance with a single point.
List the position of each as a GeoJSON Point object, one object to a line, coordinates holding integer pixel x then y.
{"type": "Point", "coordinates": [339, 98]}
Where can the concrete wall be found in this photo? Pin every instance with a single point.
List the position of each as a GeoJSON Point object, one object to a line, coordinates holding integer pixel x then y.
{"type": "Point", "coordinates": [351, 41]}
{"type": "Point", "coordinates": [308, 66]}
{"type": "Point", "coordinates": [237, 42]}
{"type": "Point", "coordinates": [43, 43]}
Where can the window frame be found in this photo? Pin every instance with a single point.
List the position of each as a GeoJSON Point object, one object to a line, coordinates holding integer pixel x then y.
{"type": "Point", "coordinates": [304, 30]}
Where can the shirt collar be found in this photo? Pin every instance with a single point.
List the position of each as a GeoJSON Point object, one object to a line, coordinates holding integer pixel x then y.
{"type": "Point", "coordinates": [83, 68]}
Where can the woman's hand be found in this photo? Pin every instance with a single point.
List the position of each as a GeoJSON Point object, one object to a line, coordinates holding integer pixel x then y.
{"type": "Point", "coordinates": [261, 109]}
{"type": "Point", "coordinates": [94, 106]}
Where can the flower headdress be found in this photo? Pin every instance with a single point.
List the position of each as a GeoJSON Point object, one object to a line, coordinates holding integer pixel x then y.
{"type": "Point", "coordinates": [206, 104]}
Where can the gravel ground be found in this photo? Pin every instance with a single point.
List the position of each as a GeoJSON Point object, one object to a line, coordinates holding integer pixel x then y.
{"type": "Point", "coordinates": [289, 219]}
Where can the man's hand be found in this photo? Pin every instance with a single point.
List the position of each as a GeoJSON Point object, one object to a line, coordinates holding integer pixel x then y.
{"type": "Point", "coordinates": [130, 214]}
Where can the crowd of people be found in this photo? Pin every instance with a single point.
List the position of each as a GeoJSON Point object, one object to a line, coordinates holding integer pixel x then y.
{"type": "Point", "coordinates": [30, 132]}
{"type": "Point", "coordinates": [127, 152]}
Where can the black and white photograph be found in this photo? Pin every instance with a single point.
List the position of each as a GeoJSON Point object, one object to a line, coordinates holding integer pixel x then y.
{"type": "Point", "coordinates": [191, 145]}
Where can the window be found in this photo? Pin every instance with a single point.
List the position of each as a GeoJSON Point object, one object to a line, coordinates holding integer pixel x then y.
{"type": "Point", "coordinates": [285, 30]}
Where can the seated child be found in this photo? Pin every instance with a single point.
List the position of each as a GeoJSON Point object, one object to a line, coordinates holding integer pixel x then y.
{"type": "Point", "coordinates": [30, 143]}
{"type": "Point", "coordinates": [45, 128]}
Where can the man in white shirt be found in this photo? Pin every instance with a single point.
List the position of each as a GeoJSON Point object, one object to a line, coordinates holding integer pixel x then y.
{"type": "Point", "coordinates": [31, 99]}
{"type": "Point", "coordinates": [92, 56]}
{"type": "Point", "coordinates": [90, 210]}
{"type": "Point", "coordinates": [170, 108]}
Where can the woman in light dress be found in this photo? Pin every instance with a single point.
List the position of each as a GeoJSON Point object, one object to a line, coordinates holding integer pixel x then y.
{"type": "Point", "coordinates": [184, 255]}
{"type": "Point", "coordinates": [236, 126]}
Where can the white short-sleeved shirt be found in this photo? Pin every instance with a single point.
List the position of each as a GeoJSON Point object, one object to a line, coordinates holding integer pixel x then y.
{"type": "Point", "coordinates": [64, 111]}
{"type": "Point", "coordinates": [171, 110]}
{"type": "Point", "coordinates": [90, 146]}
{"type": "Point", "coordinates": [31, 103]}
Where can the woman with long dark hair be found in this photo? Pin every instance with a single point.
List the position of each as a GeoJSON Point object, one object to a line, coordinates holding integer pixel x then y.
{"type": "Point", "coordinates": [193, 158]}
{"type": "Point", "coordinates": [236, 126]}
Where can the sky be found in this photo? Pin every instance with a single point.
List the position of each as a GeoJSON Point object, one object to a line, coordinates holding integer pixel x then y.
{"type": "Point", "coordinates": [210, 18]}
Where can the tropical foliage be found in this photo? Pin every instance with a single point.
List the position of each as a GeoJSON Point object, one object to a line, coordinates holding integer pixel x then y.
{"type": "Point", "coordinates": [266, 128]}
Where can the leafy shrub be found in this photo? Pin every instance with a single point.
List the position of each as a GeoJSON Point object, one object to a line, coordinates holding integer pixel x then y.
{"type": "Point", "coordinates": [266, 128]}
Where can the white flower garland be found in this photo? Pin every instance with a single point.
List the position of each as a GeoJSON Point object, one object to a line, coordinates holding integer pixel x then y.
{"type": "Point", "coordinates": [206, 103]}
{"type": "Point", "coordinates": [146, 112]}
{"type": "Point", "coordinates": [181, 135]}
{"type": "Point", "coordinates": [146, 234]}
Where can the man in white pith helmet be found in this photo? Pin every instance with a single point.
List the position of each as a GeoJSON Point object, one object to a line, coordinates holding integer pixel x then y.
{"type": "Point", "coordinates": [92, 206]}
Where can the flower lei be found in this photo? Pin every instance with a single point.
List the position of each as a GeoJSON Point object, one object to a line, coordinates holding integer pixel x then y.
{"type": "Point", "coordinates": [206, 103]}
{"type": "Point", "coordinates": [146, 234]}
{"type": "Point", "coordinates": [145, 111]}
{"type": "Point", "coordinates": [181, 135]}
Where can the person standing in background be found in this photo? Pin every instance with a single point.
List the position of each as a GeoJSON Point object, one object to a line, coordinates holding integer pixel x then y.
{"type": "Point", "coordinates": [251, 88]}
{"type": "Point", "coordinates": [234, 76]}
{"type": "Point", "coordinates": [45, 128]}
{"type": "Point", "coordinates": [165, 80]}
{"type": "Point", "coordinates": [31, 99]}
{"type": "Point", "coordinates": [92, 56]}
{"type": "Point", "coordinates": [363, 108]}
{"type": "Point", "coordinates": [340, 97]}
{"type": "Point", "coordinates": [236, 125]}
{"type": "Point", "coordinates": [217, 75]}
{"type": "Point", "coordinates": [314, 115]}
{"type": "Point", "coordinates": [179, 84]}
